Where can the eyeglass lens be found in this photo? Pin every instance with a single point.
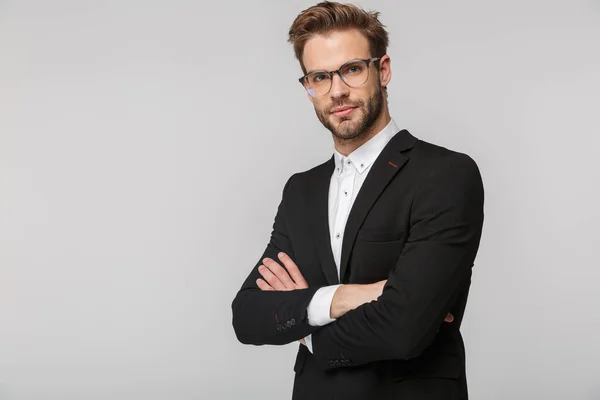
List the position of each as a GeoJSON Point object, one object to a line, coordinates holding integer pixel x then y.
{"type": "Point", "coordinates": [354, 74]}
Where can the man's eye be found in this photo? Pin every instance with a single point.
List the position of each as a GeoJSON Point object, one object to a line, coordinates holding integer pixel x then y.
{"type": "Point", "coordinates": [353, 69]}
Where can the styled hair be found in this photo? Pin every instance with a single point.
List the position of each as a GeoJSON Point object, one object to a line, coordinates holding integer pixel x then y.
{"type": "Point", "coordinates": [330, 16]}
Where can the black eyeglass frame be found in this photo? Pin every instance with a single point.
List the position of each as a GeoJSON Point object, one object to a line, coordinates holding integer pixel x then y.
{"type": "Point", "coordinates": [367, 61]}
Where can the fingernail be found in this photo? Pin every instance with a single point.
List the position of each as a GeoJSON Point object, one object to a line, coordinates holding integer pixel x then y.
{"type": "Point", "coordinates": [282, 254]}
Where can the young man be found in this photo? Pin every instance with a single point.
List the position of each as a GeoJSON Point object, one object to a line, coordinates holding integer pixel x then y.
{"type": "Point", "coordinates": [369, 261]}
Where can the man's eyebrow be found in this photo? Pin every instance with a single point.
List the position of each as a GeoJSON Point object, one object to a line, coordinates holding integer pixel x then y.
{"type": "Point", "coordinates": [315, 70]}
{"type": "Point", "coordinates": [323, 69]}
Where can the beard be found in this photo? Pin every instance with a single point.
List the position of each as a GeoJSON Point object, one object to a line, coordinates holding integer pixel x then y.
{"type": "Point", "coordinates": [348, 129]}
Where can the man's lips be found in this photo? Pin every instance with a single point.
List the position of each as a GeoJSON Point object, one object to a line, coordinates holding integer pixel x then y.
{"type": "Point", "coordinates": [342, 111]}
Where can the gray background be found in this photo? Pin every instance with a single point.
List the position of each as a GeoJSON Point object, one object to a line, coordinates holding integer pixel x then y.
{"type": "Point", "coordinates": [144, 146]}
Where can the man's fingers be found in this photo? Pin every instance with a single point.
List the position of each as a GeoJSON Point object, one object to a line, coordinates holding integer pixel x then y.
{"type": "Point", "coordinates": [262, 285]}
{"type": "Point", "coordinates": [449, 318]}
{"type": "Point", "coordinates": [271, 279]}
{"type": "Point", "coordinates": [282, 278]}
{"type": "Point", "coordinates": [293, 270]}
{"type": "Point", "coordinates": [280, 273]}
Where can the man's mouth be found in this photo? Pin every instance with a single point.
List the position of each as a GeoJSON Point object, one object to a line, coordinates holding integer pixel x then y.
{"type": "Point", "coordinates": [343, 111]}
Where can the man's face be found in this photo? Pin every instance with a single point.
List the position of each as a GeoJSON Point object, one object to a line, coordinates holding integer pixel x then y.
{"type": "Point", "coordinates": [346, 111]}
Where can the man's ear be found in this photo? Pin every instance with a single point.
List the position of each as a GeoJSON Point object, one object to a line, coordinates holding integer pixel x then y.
{"type": "Point", "coordinates": [385, 70]}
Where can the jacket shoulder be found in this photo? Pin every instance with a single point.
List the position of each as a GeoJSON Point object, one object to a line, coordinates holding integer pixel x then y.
{"type": "Point", "coordinates": [435, 155]}
{"type": "Point", "coordinates": [307, 177]}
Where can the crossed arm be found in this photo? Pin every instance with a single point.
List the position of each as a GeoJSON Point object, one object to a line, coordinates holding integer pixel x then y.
{"type": "Point", "coordinates": [346, 297]}
{"type": "Point", "coordinates": [445, 229]}
{"type": "Point", "coordinates": [272, 305]}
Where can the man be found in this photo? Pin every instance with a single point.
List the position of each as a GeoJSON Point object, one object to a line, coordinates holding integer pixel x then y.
{"type": "Point", "coordinates": [369, 261]}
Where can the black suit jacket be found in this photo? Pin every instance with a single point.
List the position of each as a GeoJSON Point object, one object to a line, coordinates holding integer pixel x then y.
{"type": "Point", "coordinates": [417, 222]}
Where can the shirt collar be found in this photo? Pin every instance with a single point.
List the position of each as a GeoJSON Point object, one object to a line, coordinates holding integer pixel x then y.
{"type": "Point", "coordinates": [367, 153]}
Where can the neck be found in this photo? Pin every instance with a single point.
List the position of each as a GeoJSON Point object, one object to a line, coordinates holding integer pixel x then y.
{"type": "Point", "coordinates": [347, 146]}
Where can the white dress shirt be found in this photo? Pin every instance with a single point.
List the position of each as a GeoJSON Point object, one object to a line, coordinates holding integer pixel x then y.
{"type": "Point", "coordinates": [347, 178]}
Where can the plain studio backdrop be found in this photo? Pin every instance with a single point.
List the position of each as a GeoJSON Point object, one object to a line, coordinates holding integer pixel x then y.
{"type": "Point", "coordinates": [144, 146]}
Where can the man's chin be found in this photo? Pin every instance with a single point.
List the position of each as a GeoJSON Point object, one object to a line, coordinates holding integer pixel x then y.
{"type": "Point", "coordinates": [346, 132]}
{"type": "Point", "coordinates": [346, 122]}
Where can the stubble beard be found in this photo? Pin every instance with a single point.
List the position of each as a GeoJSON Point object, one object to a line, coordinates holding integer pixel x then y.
{"type": "Point", "coordinates": [347, 130]}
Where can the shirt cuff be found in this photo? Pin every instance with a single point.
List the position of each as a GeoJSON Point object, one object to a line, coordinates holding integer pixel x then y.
{"type": "Point", "coordinates": [308, 341]}
{"type": "Point", "coordinates": [319, 307]}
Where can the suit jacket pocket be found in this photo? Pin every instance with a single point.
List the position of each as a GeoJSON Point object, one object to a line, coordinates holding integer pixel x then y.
{"type": "Point", "coordinates": [378, 236]}
{"type": "Point", "coordinates": [374, 254]}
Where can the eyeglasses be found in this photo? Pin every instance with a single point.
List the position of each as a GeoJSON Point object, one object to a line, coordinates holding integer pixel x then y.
{"type": "Point", "coordinates": [354, 73]}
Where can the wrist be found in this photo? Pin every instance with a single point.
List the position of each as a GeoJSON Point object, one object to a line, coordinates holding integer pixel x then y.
{"type": "Point", "coordinates": [348, 297]}
{"type": "Point", "coordinates": [339, 301]}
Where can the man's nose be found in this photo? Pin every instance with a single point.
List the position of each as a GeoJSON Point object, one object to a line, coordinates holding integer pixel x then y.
{"type": "Point", "coordinates": [338, 87]}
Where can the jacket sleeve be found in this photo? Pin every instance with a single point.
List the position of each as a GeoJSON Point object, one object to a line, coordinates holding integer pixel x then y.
{"type": "Point", "coordinates": [445, 231]}
{"type": "Point", "coordinates": [272, 317]}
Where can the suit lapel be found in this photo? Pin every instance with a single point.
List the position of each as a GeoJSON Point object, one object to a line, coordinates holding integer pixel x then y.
{"type": "Point", "coordinates": [385, 167]}
{"type": "Point", "coordinates": [320, 220]}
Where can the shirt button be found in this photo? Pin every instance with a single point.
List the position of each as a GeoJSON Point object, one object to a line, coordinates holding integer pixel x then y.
{"type": "Point", "coordinates": [346, 193]}
{"type": "Point", "coordinates": [348, 162]}
{"type": "Point", "coordinates": [337, 235]}
{"type": "Point", "coordinates": [362, 165]}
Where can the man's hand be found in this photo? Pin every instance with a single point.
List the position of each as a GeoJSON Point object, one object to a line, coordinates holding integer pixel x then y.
{"type": "Point", "coordinates": [277, 278]}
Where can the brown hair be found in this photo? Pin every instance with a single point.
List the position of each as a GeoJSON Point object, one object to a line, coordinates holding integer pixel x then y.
{"type": "Point", "coordinates": [328, 16]}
